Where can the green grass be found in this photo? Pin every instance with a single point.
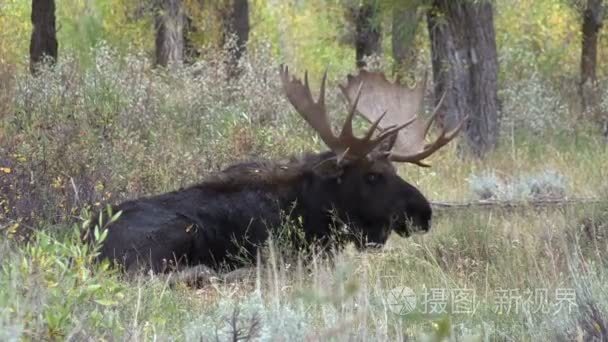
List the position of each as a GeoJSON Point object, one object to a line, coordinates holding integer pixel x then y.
{"type": "Point", "coordinates": [77, 137]}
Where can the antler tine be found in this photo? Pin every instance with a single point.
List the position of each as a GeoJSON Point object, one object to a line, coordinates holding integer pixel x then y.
{"type": "Point", "coordinates": [347, 128]}
{"type": "Point", "coordinates": [389, 132]}
{"type": "Point", "coordinates": [313, 112]}
{"type": "Point", "coordinates": [372, 128]}
{"type": "Point", "coordinates": [395, 129]}
{"type": "Point", "coordinates": [321, 99]}
{"type": "Point", "coordinates": [361, 147]}
{"type": "Point", "coordinates": [443, 138]}
{"type": "Point", "coordinates": [429, 122]}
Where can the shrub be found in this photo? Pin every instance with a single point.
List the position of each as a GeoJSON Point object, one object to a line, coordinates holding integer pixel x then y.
{"type": "Point", "coordinates": [486, 186]}
{"type": "Point", "coordinates": [74, 137]}
{"type": "Point", "coordinates": [532, 104]}
{"type": "Point", "coordinates": [50, 285]}
{"type": "Point", "coordinates": [548, 184]}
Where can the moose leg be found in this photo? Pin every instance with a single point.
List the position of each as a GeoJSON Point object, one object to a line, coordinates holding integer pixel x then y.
{"type": "Point", "coordinates": [201, 275]}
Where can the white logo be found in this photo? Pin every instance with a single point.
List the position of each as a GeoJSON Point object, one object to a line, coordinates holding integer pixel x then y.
{"type": "Point", "coordinates": [401, 300]}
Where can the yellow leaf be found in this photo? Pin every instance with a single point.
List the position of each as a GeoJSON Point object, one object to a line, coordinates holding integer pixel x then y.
{"type": "Point", "coordinates": [6, 169]}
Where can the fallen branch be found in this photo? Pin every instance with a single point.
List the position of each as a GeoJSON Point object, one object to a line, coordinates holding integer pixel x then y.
{"type": "Point", "coordinates": [495, 204]}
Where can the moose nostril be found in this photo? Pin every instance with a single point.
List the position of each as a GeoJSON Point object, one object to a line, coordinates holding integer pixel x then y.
{"type": "Point", "coordinates": [424, 226]}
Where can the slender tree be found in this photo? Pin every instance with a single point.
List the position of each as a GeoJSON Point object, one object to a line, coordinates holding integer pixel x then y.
{"type": "Point", "coordinates": [465, 68]}
{"type": "Point", "coordinates": [43, 43]}
{"type": "Point", "coordinates": [191, 53]}
{"type": "Point", "coordinates": [592, 22]}
{"type": "Point", "coordinates": [170, 21]}
{"type": "Point", "coordinates": [368, 34]}
{"type": "Point", "coordinates": [404, 27]}
{"type": "Point", "coordinates": [235, 35]}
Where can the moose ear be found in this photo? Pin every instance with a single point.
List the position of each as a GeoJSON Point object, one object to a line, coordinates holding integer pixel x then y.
{"type": "Point", "coordinates": [328, 168]}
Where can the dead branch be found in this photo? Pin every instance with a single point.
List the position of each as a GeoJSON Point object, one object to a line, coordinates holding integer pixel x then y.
{"type": "Point", "coordinates": [496, 204]}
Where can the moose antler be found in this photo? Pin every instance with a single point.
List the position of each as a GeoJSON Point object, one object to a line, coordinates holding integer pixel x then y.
{"type": "Point", "coordinates": [345, 145]}
{"type": "Point", "coordinates": [397, 103]}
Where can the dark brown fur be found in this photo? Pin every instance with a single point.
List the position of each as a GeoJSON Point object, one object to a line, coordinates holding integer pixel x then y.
{"type": "Point", "coordinates": [226, 218]}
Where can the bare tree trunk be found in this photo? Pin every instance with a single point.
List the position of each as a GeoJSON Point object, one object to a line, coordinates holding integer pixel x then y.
{"type": "Point", "coordinates": [235, 19]}
{"type": "Point", "coordinates": [465, 67]}
{"type": "Point", "coordinates": [170, 20]}
{"type": "Point", "coordinates": [368, 33]}
{"type": "Point", "coordinates": [405, 24]}
{"type": "Point", "coordinates": [43, 43]}
{"type": "Point", "coordinates": [592, 23]}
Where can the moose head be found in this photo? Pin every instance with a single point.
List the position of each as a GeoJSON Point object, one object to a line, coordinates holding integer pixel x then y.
{"type": "Point", "coordinates": [359, 172]}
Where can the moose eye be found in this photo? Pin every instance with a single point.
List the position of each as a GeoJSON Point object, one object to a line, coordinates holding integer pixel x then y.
{"type": "Point", "coordinates": [373, 178]}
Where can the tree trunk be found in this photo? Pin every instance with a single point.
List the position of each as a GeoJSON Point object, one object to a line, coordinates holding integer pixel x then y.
{"type": "Point", "coordinates": [43, 43]}
{"type": "Point", "coordinates": [405, 24]}
{"type": "Point", "coordinates": [465, 67]}
{"type": "Point", "coordinates": [592, 22]}
{"type": "Point", "coordinates": [367, 33]}
{"type": "Point", "coordinates": [235, 19]}
{"type": "Point", "coordinates": [191, 53]}
{"type": "Point", "coordinates": [170, 20]}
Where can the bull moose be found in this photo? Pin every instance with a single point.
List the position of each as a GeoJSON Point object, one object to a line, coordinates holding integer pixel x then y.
{"type": "Point", "coordinates": [222, 221]}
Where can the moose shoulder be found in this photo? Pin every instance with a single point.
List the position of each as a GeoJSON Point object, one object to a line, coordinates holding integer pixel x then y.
{"type": "Point", "coordinates": [223, 220]}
